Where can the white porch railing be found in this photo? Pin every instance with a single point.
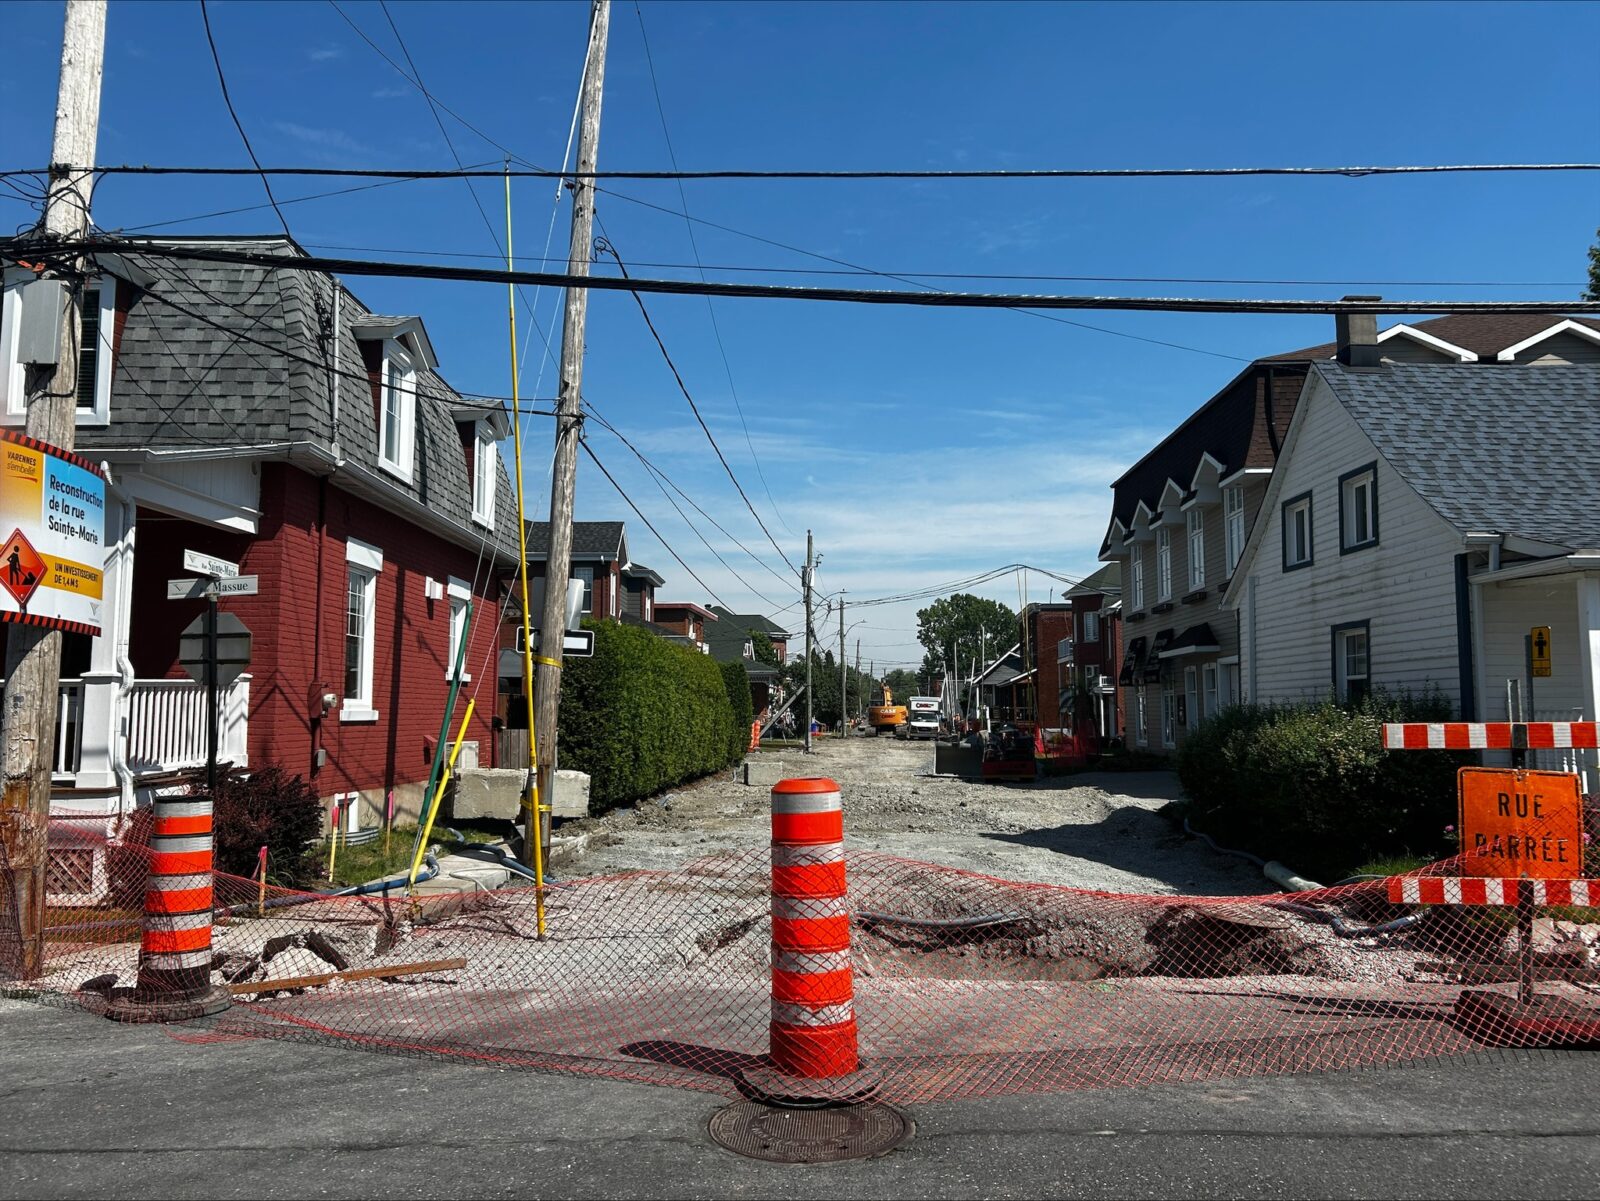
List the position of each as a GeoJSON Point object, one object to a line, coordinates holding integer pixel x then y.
{"type": "Point", "coordinates": [167, 724]}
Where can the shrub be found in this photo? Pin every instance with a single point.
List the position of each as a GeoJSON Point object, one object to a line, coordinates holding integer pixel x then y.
{"type": "Point", "coordinates": [265, 808]}
{"type": "Point", "coordinates": [642, 715]}
{"type": "Point", "coordinates": [1311, 784]}
{"type": "Point", "coordinates": [737, 682]}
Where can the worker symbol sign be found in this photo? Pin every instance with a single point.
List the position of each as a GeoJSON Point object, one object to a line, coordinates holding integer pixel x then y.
{"type": "Point", "coordinates": [1516, 823]}
{"type": "Point", "coordinates": [21, 568]}
{"type": "Point", "coordinates": [1539, 650]}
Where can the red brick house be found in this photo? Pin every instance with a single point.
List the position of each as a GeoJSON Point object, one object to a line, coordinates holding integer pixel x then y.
{"type": "Point", "coordinates": [687, 620]}
{"type": "Point", "coordinates": [1043, 628]}
{"type": "Point", "coordinates": [1091, 660]}
{"type": "Point", "coordinates": [266, 416]}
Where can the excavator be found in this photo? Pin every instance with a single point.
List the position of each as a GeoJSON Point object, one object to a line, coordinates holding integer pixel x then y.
{"type": "Point", "coordinates": [887, 716]}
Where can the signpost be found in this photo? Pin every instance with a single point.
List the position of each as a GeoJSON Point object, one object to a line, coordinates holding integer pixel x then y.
{"type": "Point", "coordinates": [1521, 847]}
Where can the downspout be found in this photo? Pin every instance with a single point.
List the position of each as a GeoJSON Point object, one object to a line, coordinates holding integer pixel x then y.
{"type": "Point", "coordinates": [125, 674]}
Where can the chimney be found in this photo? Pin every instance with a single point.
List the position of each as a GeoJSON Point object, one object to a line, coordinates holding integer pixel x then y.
{"type": "Point", "coordinates": [1357, 335]}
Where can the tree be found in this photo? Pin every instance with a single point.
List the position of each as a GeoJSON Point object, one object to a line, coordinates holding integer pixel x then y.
{"type": "Point", "coordinates": [966, 625]}
{"type": "Point", "coordinates": [765, 651]}
{"type": "Point", "coordinates": [902, 683]}
{"type": "Point", "coordinates": [1594, 269]}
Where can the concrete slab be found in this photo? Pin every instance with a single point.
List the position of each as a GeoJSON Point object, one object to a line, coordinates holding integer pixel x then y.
{"type": "Point", "coordinates": [763, 771]}
{"type": "Point", "coordinates": [571, 794]}
{"type": "Point", "coordinates": [480, 792]}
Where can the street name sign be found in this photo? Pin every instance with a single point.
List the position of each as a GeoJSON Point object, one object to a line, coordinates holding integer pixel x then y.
{"type": "Point", "coordinates": [204, 564]}
{"type": "Point", "coordinates": [1516, 823]}
{"type": "Point", "coordinates": [239, 585]}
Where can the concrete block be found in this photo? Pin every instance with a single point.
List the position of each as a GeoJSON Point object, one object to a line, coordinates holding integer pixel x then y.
{"type": "Point", "coordinates": [572, 794]}
{"type": "Point", "coordinates": [488, 792]}
{"type": "Point", "coordinates": [760, 771]}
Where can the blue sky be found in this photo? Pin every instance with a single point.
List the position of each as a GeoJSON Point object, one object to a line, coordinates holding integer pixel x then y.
{"type": "Point", "coordinates": [920, 445]}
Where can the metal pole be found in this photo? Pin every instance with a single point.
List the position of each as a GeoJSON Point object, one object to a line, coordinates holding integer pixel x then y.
{"type": "Point", "coordinates": [844, 670]}
{"type": "Point", "coordinates": [806, 585]}
{"type": "Point", "coordinates": [1524, 940]}
{"type": "Point", "coordinates": [211, 694]}
{"type": "Point", "coordinates": [569, 424]}
{"type": "Point", "coordinates": [33, 655]}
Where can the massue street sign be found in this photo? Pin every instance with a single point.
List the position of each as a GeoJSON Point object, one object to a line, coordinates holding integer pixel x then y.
{"type": "Point", "coordinates": [204, 564]}
{"type": "Point", "coordinates": [239, 585]}
{"type": "Point", "coordinates": [233, 649]}
{"type": "Point", "coordinates": [1516, 823]}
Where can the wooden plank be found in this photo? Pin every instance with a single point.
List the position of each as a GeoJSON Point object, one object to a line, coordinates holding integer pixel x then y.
{"type": "Point", "coordinates": [363, 973]}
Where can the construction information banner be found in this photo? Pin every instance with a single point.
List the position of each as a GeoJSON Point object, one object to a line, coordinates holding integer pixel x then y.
{"type": "Point", "coordinates": [53, 526]}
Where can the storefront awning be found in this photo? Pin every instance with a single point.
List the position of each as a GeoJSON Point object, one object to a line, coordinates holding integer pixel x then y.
{"type": "Point", "coordinates": [1196, 640]}
{"type": "Point", "coordinates": [1132, 661]}
{"type": "Point", "coordinates": [1152, 665]}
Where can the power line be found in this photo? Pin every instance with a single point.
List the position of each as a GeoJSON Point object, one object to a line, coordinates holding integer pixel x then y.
{"type": "Point", "coordinates": [934, 299]}
{"type": "Point", "coordinates": [532, 172]}
{"type": "Point", "coordinates": [222, 81]}
{"type": "Point", "coordinates": [694, 248]}
{"type": "Point", "coordinates": [589, 450]}
{"type": "Point", "coordinates": [603, 245]}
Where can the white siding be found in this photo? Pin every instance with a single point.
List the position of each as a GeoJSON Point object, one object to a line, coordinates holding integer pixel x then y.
{"type": "Point", "coordinates": [1405, 586]}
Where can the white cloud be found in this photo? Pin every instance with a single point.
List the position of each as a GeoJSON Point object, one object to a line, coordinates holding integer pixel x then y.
{"type": "Point", "coordinates": [324, 54]}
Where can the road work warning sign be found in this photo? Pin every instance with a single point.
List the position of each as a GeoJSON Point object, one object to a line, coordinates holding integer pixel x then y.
{"type": "Point", "coordinates": [1516, 823]}
{"type": "Point", "coordinates": [52, 523]}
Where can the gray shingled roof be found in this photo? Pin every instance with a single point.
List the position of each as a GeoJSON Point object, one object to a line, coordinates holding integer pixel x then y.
{"type": "Point", "coordinates": [1492, 450]}
{"type": "Point", "coordinates": [220, 356]}
{"type": "Point", "coordinates": [590, 540]}
{"type": "Point", "coordinates": [1107, 579]}
{"type": "Point", "coordinates": [1485, 334]}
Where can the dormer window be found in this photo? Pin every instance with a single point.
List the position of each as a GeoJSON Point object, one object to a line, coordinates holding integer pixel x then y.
{"type": "Point", "coordinates": [99, 306]}
{"type": "Point", "coordinates": [485, 474]}
{"type": "Point", "coordinates": [397, 410]}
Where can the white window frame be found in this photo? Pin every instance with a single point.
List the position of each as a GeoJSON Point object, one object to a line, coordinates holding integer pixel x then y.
{"type": "Point", "coordinates": [1343, 676]}
{"type": "Point", "coordinates": [1136, 566]}
{"type": "Point", "coordinates": [485, 473]}
{"type": "Point", "coordinates": [1229, 688]}
{"type": "Point", "coordinates": [1195, 522]}
{"type": "Point", "coordinates": [586, 605]}
{"type": "Point", "coordinates": [1142, 718]}
{"type": "Point", "coordinates": [1163, 563]}
{"type": "Point", "coordinates": [1233, 526]}
{"type": "Point", "coordinates": [614, 587]}
{"type": "Point", "coordinates": [1292, 509]}
{"type": "Point", "coordinates": [1364, 480]}
{"type": "Point", "coordinates": [399, 396]}
{"type": "Point", "coordinates": [363, 561]}
{"type": "Point", "coordinates": [459, 593]}
{"type": "Point", "coordinates": [649, 605]}
{"type": "Point", "coordinates": [1210, 689]}
{"type": "Point", "coordinates": [1169, 714]}
{"type": "Point", "coordinates": [13, 374]}
{"type": "Point", "coordinates": [1192, 713]}
{"type": "Point", "coordinates": [1091, 626]}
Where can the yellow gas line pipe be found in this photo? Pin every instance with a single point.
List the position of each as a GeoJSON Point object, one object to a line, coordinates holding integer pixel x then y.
{"type": "Point", "coordinates": [438, 798]}
{"type": "Point", "coordinates": [530, 799]}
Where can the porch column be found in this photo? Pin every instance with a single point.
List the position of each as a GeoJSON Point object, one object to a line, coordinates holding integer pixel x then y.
{"type": "Point", "coordinates": [103, 705]}
{"type": "Point", "coordinates": [1588, 585]}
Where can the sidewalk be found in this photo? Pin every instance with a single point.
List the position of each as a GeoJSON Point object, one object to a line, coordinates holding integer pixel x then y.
{"type": "Point", "coordinates": [89, 1109]}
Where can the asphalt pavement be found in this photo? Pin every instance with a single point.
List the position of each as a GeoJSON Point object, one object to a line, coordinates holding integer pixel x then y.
{"type": "Point", "coordinates": [92, 1109]}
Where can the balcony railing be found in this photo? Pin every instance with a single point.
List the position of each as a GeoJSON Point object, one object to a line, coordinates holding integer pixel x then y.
{"type": "Point", "coordinates": [167, 724]}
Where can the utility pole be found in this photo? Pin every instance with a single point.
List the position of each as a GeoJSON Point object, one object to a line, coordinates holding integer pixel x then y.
{"type": "Point", "coordinates": [33, 655]}
{"type": "Point", "coordinates": [805, 583]}
{"type": "Point", "coordinates": [569, 425]}
{"type": "Point", "coordinates": [861, 692]}
{"type": "Point", "coordinates": [844, 670]}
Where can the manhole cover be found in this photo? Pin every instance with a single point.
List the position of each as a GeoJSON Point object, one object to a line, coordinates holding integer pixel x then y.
{"type": "Point", "coordinates": [809, 1135]}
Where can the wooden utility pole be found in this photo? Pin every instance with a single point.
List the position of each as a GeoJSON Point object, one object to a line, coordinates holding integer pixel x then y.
{"type": "Point", "coordinates": [569, 425]}
{"type": "Point", "coordinates": [805, 583]}
{"type": "Point", "coordinates": [33, 655]}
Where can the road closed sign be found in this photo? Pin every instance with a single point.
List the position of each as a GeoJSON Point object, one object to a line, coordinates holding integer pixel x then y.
{"type": "Point", "coordinates": [1516, 823]}
{"type": "Point", "coordinates": [52, 536]}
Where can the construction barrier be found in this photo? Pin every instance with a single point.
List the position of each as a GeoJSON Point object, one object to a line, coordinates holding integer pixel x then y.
{"type": "Point", "coordinates": [813, 1020]}
{"type": "Point", "coordinates": [956, 984]}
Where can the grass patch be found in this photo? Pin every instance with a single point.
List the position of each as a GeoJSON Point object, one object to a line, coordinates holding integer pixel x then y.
{"type": "Point", "coordinates": [367, 861]}
{"type": "Point", "coordinates": [1394, 865]}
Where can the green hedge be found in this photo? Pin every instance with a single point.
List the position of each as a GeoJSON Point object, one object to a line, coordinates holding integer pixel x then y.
{"type": "Point", "coordinates": [1311, 784]}
{"type": "Point", "coordinates": [737, 684]}
{"type": "Point", "coordinates": [644, 714]}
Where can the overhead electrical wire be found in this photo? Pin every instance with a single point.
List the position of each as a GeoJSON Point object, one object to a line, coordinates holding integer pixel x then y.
{"type": "Point", "coordinates": [222, 81]}
{"type": "Point", "coordinates": [694, 248]}
{"type": "Point", "coordinates": [533, 172]}
{"type": "Point", "coordinates": [940, 299]}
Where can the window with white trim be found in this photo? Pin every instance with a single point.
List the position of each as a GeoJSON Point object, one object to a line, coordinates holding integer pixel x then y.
{"type": "Point", "coordinates": [364, 564]}
{"type": "Point", "coordinates": [460, 594]}
{"type": "Point", "coordinates": [1352, 666]}
{"type": "Point", "coordinates": [1233, 526]}
{"type": "Point", "coordinates": [1196, 521]}
{"type": "Point", "coordinates": [1230, 694]}
{"type": "Point", "coordinates": [1191, 698]}
{"type": "Point", "coordinates": [1136, 563]}
{"type": "Point", "coordinates": [1163, 563]}
{"type": "Point", "coordinates": [1208, 688]}
{"type": "Point", "coordinates": [1141, 719]}
{"type": "Point", "coordinates": [1169, 714]}
{"type": "Point", "coordinates": [98, 314]}
{"type": "Point", "coordinates": [1297, 532]}
{"type": "Point", "coordinates": [1358, 509]}
{"type": "Point", "coordinates": [1091, 626]}
{"type": "Point", "coordinates": [485, 474]}
{"type": "Point", "coordinates": [397, 410]}
{"type": "Point", "coordinates": [585, 572]}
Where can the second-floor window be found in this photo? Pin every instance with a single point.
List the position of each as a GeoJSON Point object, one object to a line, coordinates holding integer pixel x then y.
{"type": "Point", "coordinates": [1297, 532]}
{"type": "Point", "coordinates": [1233, 525]}
{"type": "Point", "coordinates": [98, 314]}
{"type": "Point", "coordinates": [1358, 509]}
{"type": "Point", "coordinates": [1197, 549]}
{"type": "Point", "coordinates": [397, 411]}
{"type": "Point", "coordinates": [1091, 626]}
{"type": "Point", "coordinates": [1137, 587]}
{"type": "Point", "coordinates": [1163, 563]}
{"type": "Point", "coordinates": [485, 474]}
{"type": "Point", "coordinates": [585, 572]}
